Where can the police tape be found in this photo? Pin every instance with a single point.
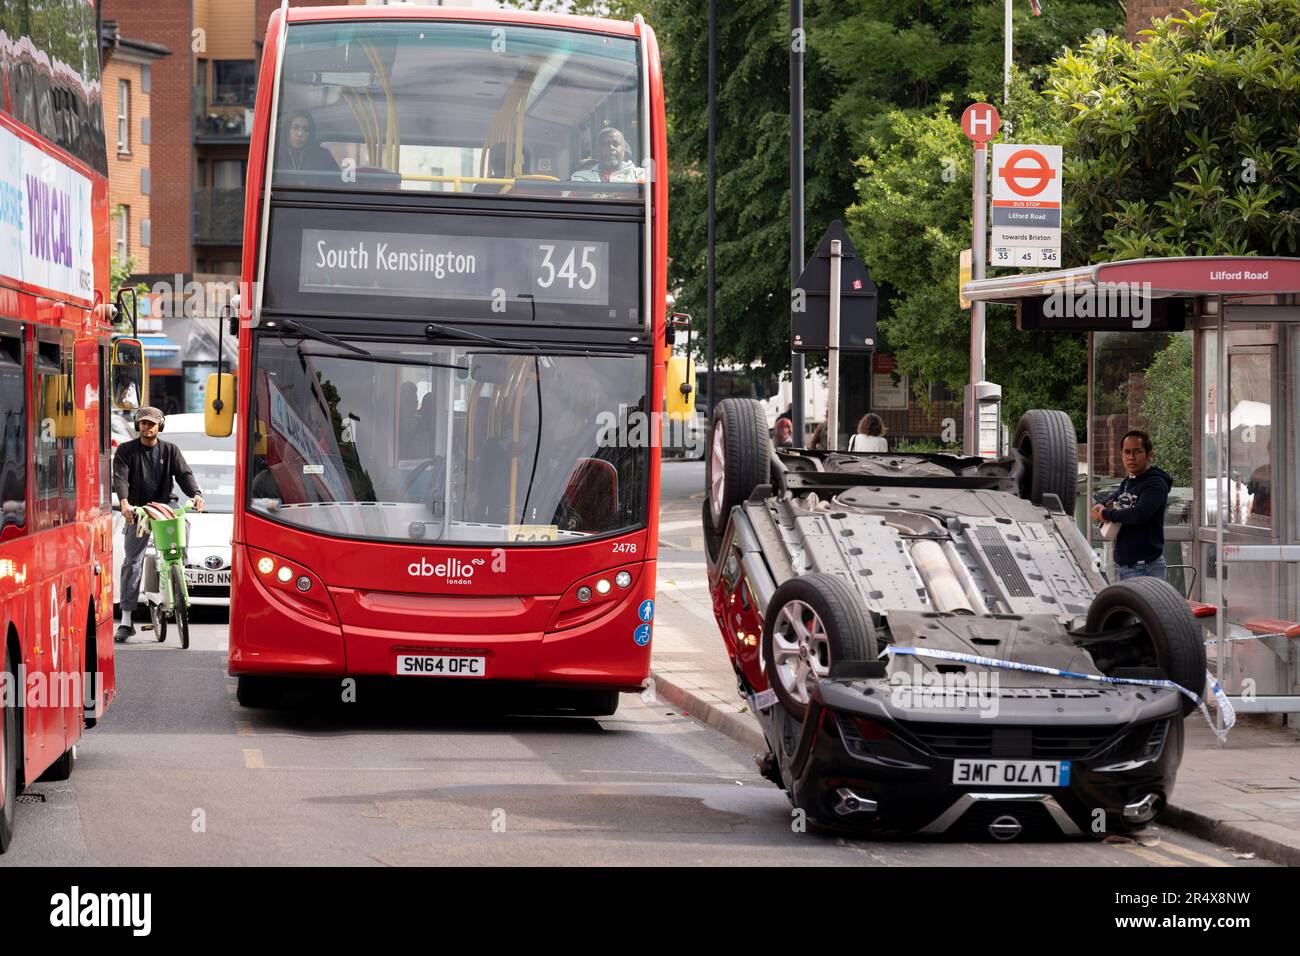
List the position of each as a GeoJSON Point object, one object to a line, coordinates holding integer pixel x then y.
{"type": "Point", "coordinates": [1225, 707]}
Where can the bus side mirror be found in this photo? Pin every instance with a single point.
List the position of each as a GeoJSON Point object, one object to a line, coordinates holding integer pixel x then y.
{"type": "Point", "coordinates": [219, 405]}
{"type": "Point", "coordinates": [679, 398]}
{"type": "Point", "coordinates": [128, 374]}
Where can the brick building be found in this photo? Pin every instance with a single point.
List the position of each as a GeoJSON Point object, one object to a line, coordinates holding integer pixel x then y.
{"type": "Point", "coordinates": [1140, 13]}
{"type": "Point", "coordinates": [127, 85]}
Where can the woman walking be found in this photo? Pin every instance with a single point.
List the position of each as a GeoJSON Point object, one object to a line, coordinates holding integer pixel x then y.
{"type": "Point", "coordinates": [871, 434]}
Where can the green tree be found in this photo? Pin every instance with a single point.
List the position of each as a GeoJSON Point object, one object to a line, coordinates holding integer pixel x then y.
{"type": "Point", "coordinates": [1166, 407]}
{"type": "Point", "coordinates": [1185, 144]}
{"type": "Point", "coordinates": [753, 150]}
{"type": "Point", "coordinates": [912, 220]}
{"type": "Point", "coordinates": [905, 54]}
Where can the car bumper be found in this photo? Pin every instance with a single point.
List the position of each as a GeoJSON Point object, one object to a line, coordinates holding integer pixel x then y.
{"type": "Point", "coordinates": [864, 764]}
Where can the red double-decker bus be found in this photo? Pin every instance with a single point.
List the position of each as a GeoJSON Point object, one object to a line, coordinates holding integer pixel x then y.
{"type": "Point", "coordinates": [451, 352]}
{"type": "Point", "coordinates": [56, 600]}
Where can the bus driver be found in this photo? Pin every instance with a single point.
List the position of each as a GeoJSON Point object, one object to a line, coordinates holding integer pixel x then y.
{"type": "Point", "coordinates": [612, 162]}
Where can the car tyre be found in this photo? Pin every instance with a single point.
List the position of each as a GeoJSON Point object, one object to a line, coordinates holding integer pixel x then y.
{"type": "Point", "coordinates": [737, 459]}
{"type": "Point", "coordinates": [1177, 646]}
{"type": "Point", "coordinates": [1049, 457]}
{"type": "Point", "coordinates": [813, 622]}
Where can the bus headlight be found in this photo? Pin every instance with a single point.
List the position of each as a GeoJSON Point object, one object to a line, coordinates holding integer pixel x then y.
{"type": "Point", "coordinates": [303, 583]}
{"type": "Point", "coordinates": [265, 565]}
{"type": "Point", "coordinates": [285, 574]}
{"type": "Point", "coordinates": [584, 594]}
{"type": "Point", "coordinates": [602, 586]}
{"type": "Point", "coordinates": [623, 579]}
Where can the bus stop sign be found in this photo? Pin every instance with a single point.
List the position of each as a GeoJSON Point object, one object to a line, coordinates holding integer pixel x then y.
{"type": "Point", "coordinates": [810, 325]}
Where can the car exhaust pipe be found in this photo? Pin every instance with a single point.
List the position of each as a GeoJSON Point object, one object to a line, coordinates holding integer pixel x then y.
{"type": "Point", "coordinates": [849, 802]}
{"type": "Point", "coordinates": [1141, 811]}
{"type": "Point", "coordinates": [936, 571]}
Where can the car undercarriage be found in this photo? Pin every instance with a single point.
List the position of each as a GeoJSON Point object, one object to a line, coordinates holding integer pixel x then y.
{"type": "Point", "coordinates": [930, 644]}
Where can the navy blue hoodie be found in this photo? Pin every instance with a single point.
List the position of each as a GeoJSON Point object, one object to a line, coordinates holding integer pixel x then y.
{"type": "Point", "coordinates": [1139, 506]}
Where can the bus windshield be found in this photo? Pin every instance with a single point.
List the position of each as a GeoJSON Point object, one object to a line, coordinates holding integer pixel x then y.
{"type": "Point", "coordinates": [448, 443]}
{"type": "Point", "coordinates": [486, 109]}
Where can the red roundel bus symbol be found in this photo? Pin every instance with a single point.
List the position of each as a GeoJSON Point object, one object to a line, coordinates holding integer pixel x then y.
{"type": "Point", "coordinates": [1027, 166]}
{"type": "Point", "coordinates": [981, 122]}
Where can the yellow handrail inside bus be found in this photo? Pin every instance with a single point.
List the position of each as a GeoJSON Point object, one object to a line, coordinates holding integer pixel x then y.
{"type": "Point", "coordinates": [392, 132]}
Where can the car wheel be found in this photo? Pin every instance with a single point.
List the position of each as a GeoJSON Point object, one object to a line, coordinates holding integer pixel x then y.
{"type": "Point", "coordinates": [737, 458]}
{"type": "Point", "coordinates": [10, 754]}
{"type": "Point", "coordinates": [812, 623]}
{"type": "Point", "coordinates": [1173, 640]}
{"type": "Point", "coordinates": [1049, 457]}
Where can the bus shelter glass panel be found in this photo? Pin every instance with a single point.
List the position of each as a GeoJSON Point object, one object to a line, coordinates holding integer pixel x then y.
{"type": "Point", "coordinates": [473, 108]}
{"type": "Point", "coordinates": [1145, 381]}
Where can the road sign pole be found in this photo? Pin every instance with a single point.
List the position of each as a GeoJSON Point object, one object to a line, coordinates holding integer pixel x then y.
{"type": "Point", "coordinates": [979, 255]}
{"type": "Point", "coordinates": [1006, 55]}
{"type": "Point", "coordinates": [796, 206]}
{"type": "Point", "coordinates": [833, 357]}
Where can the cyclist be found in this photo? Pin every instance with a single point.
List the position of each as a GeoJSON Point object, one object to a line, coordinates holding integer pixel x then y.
{"type": "Point", "coordinates": [143, 471]}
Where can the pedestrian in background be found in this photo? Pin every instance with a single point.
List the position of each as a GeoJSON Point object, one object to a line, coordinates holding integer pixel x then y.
{"type": "Point", "coordinates": [1139, 509]}
{"type": "Point", "coordinates": [870, 435]}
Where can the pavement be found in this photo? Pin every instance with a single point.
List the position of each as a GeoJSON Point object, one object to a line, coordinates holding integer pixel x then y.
{"type": "Point", "coordinates": [1244, 794]}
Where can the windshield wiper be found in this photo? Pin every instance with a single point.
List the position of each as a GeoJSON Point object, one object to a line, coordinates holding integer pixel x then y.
{"type": "Point", "coordinates": [297, 328]}
{"type": "Point", "coordinates": [437, 328]}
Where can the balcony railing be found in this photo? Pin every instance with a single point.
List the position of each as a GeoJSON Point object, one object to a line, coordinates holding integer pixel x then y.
{"type": "Point", "coordinates": [214, 122]}
{"type": "Point", "coordinates": [219, 217]}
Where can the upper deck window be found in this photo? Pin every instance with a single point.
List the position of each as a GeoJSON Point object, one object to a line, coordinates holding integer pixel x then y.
{"type": "Point", "coordinates": [474, 108]}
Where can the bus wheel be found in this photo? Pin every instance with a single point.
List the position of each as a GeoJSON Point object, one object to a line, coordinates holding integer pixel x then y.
{"type": "Point", "coordinates": [258, 691]}
{"type": "Point", "coordinates": [10, 753]}
{"type": "Point", "coordinates": [591, 703]}
{"type": "Point", "coordinates": [61, 769]}
{"type": "Point", "coordinates": [1049, 457]}
{"type": "Point", "coordinates": [813, 622]}
{"type": "Point", "coordinates": [738, 457]}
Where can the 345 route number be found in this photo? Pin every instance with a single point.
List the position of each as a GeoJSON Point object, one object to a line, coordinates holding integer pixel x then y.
{"type": "Point", "coordinates": [576, 268]}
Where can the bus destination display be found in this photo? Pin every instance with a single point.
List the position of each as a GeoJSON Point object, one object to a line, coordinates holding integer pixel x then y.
{"type": "Point", "coordinates": [558, 271]}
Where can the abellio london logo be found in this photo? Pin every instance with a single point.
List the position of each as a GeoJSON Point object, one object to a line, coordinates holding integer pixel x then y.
{"type": "Point", "coordinates": [451, 570]}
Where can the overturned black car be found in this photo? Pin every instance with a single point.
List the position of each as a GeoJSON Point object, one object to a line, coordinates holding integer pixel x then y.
{"type": "Point", "coordinates": [929, 642]}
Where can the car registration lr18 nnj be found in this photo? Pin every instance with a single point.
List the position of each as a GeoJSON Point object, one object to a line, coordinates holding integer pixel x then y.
{"type": "Point", "coordinates": [1012, 773]}
{"type": "Point", "coordinates": [440, 665]}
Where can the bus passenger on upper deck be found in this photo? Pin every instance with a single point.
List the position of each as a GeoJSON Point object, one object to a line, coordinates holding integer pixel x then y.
{"type": "Point", "coordinates": [613, 164]}
{"type": "Point", "coordinates": [300, 149]}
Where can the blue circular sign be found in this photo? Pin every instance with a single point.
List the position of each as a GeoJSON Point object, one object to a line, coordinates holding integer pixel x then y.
{"type": "Point", "coordinates": [642, 635]}
{"type": "Point", "coordinates": [646, 611]}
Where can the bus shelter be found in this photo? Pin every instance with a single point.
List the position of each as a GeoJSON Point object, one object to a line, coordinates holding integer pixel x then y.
{"type": "Point", "coordinates": [1204, 355]}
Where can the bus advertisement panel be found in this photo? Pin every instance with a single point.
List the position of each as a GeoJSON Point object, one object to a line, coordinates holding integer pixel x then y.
{"type": "Point", "coordinates": [452, 352]}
